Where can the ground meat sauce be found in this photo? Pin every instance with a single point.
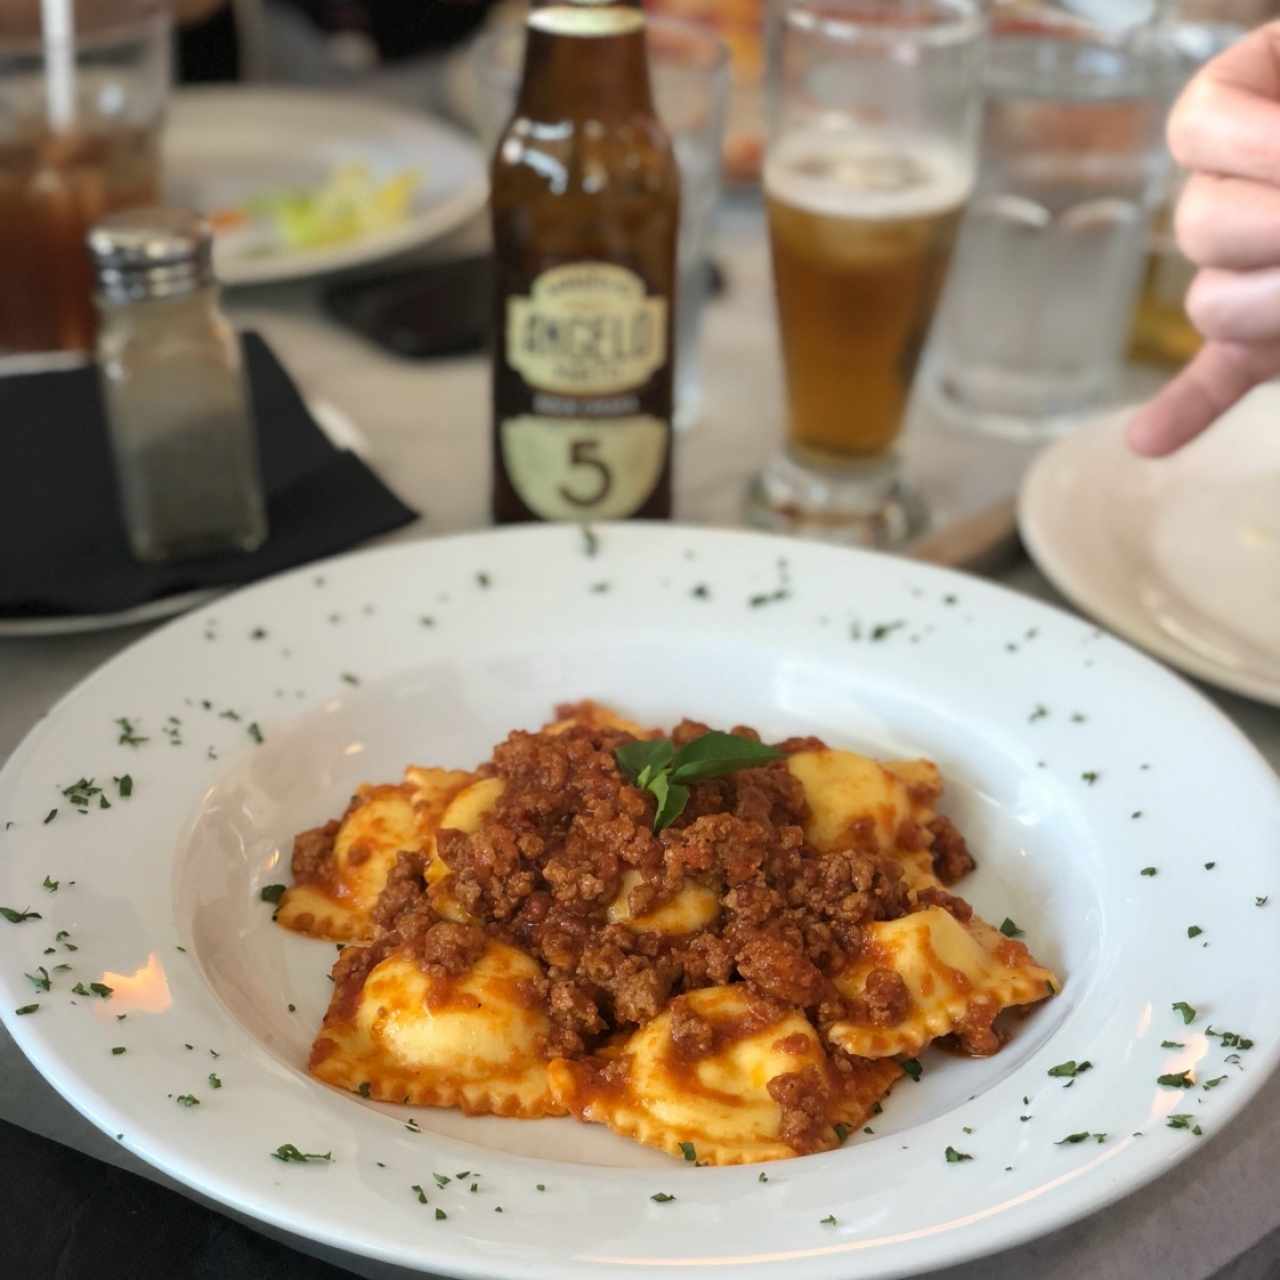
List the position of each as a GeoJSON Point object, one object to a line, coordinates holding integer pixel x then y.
{"type": "Point", "coordinates": [312, 860]}
{"type": "Point", "coordinates": [548, 861]}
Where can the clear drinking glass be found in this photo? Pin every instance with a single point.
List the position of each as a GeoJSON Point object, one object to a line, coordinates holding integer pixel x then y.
{"type": "Point", "coordinates": [83, 85]}
{"type": "Point", "coordinates": [868, 169]}
{"type": "Point", "coordinates": [689, 67]}
{"type": "Point", "coordinates": [1037, 313]}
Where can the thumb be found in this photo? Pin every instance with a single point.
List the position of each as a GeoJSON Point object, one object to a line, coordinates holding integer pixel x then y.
{"type": "Point", "coordinates": [1219, 376]}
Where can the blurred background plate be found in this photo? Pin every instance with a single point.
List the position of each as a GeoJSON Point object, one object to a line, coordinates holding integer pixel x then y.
{"type": "Point", "coordinates": [1181, 555]}
{"type": "Point", "coordinates": [228, 147]}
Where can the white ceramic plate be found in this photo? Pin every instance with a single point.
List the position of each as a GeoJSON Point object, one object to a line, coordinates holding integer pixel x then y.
{"type": "Point", "coordinates": [1181, 555]}
{"type": "Point", "coordinates": [430, 652]}
{"type": "Point", "coordinates": [224, 146]}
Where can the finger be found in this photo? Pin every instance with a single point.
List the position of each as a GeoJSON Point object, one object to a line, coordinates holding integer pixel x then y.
{"type": "Point", "coordinates": [1236, 306]}
{"type": "Point", "coordinates": [1214, 381]}
{"type": "Point", "coordinates": [1229, 222]}
{"type": "Point", "coordinates": [1228, 120]}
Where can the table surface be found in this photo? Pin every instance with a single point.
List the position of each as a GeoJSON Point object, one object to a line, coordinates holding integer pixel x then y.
{"type": "Point", "coordinates": [426, 429]}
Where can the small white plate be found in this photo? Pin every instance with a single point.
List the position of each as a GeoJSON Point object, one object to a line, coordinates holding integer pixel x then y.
{"type": "Point", "coordinates": [1180, 555]}
{"type": "Point", "coordinates": [224, 146]}
{"type": "Point", "coordinates": [1072, 763]}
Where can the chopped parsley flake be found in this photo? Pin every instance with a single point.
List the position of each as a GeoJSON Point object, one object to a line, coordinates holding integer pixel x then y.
{"type": "Point", "coordinates": [441, 1180]}
{"type": "Point", "coordinates": [483, 580]}
{"type": "Point", "coordinates": [1261, 902]}
{"type": "Point", "coordinates": [255, 733]}
{"type": "Point", "coordinates": [1176, 1080]}
{"type": "Point", "coordinates": [118, 1050]}
{"type": "Point", "coordinates": [347, 678]}
{"type": "Point", "coordinates": [1137, 813]}
{"type": "Point", "coordinates": [701, 592]}
{"type": "Point", "coordinates": [1214, 1083]}
{"type": "Point", "coordinates": [541, 1186]}
{"type": "Point", "coordinates": [17, 917]}
{"type": "Point", "coordinates": [290, 1154]}
{"type": "Point", "coordinates": [842, 1132]}
{"type": "Point", "coordinates": [1072, 1138]}
{"type": "Point", "coordinates": [687, 1150]}
{"type": "Point", "coordinates": [128, 736]}
{"type": "Point", "coordinates": [51, 885]}
{"type": "Point", "coordinates": [1185, 1121]}
{"type": "Point", "coordinates": [1194, 931]}
{"type": "Point", "coordinates": [1172, 1044]}
{"type": "Point", "coordinates": [1010, 929]}
{"type": "Point", "coordinates": [40, 983]}
{"type": "Point", "coordinates": [363, 1088]}
{"type": "Point", "coordinates": [957, 1157]}
{"type": "Point", "coordinates": [882, 630]}
{"type": "Point", "coordinates": [187, 1100]}
{"type": "Point", "coordinates": [124, 784]}
{"type": "Point", "coordinates": [99, 989]}
{"type": "Point", "coordinates": [422, 1195]}
{"type": "Point", "coordinates": [1090, 776]}
{"type": "Point", "coordinates": [661, 1197]}
{"type": "Point", "coordinates": [412, 1125]}
{"type": "Point", "coordinates": [23, 1010]}
{"type": "Point", "coordinates": [1230, 1039]}
{"type": "Point", "coordinates": [590, 541]}
{"type": "Point", "coordinates": [1039, 713]}
{"type": "Point", "coordinates": [49, 817]}
{"type": "Point", "coordinates": [828, 1221]}
{"type": "Point", "coordinates": [912, 1068]}
{"type": "Point", "coordinates": [1182, 1007]}
{"type": "Point", "coordinates": [271, 892]}
{"type": "Point", "coordinates": [214, 1082]}
{"type": "Point", "coordinates": [762, 1176]}
{"type": "Point", "coordinates": [1071, 1068]}
{"type": "Point", "coordinates": [1209, 866]}
{"type": "Point", "coordinates": [1148, 871]}
{"type": "Point", "coordinates": [441, 1215]}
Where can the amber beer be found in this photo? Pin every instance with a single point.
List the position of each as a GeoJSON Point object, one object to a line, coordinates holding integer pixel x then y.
{"type": "Point", "coordinates": [861, 238]}
{"type": "Point", "coordinates": [585, 206]}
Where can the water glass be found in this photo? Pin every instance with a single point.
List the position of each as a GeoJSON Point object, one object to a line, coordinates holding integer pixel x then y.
{"type": "Point", "coordinates": [1037, 312]}
{"type": "Point", "coordinates": [689, 67]}
{"type": "Point", "coordinates": [82, 92]}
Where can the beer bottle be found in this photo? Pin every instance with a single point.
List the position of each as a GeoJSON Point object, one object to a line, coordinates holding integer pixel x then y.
{"type": "Point", "coordinates": [584, 205]}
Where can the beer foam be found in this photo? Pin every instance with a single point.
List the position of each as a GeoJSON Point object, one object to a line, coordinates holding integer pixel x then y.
{"type": "Point", "coordinates": [867, 175]}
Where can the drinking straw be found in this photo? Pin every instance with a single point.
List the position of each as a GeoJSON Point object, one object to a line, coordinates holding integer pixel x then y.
{"type": "Point", "coordinates": [58, 35]}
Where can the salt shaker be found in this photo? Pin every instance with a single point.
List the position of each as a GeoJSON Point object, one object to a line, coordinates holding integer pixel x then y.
{"type": "Point", "coordinates": [177, 404]}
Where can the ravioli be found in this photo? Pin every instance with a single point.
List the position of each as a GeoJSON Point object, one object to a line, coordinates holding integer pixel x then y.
{"type": "Point", "coordinates": [648, 1089]}
{"type": "Point", "coordinates": [476, 1042]}
{"type": "Point", "coordinates": [593, 715]}
{"type": "Point", "coordinates": [958, 978]}
{"type": "Point", "coordinates": [695, 907]}
{"type": "Point", "coordinates": [333, 896]}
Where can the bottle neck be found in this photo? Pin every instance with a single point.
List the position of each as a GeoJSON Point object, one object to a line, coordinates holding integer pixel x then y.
{"type": "Point", "coordinates": [585, 59]}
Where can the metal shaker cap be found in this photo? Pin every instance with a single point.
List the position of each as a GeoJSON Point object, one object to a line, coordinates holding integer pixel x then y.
{"type": "Point", "coordinates": [151, 253]}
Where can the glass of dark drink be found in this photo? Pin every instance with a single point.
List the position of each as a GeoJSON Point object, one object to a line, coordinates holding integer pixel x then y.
{"type": "Point", "coordinates": [83, 85]}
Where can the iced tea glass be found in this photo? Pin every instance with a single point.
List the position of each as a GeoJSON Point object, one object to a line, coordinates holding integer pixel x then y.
{"type": "Point", "coordinates": [83, 85]}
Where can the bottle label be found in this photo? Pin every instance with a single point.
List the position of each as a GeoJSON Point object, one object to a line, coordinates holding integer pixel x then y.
{"type": "Point", "coordinates": [584, 18]}
{"type": "Point", "coordinates": [584, 468]}
{"type": "Point", "coordinates": [587, 329]}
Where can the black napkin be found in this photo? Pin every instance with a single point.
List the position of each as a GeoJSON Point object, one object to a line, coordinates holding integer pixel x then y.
{"type": "Point", "coordinates": [62, 541]}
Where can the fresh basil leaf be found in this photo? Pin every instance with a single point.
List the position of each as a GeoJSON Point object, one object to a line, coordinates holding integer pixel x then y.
{"type": "Point", "coordinates": [715, 754]}
{"type": "Point", "coordinates": [671, 797]}
{"type": "Point", "coordinates": [650, 754]}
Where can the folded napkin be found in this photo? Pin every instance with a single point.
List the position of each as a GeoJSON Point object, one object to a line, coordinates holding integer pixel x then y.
{"type": "Point", "coordinates": [63, 548]}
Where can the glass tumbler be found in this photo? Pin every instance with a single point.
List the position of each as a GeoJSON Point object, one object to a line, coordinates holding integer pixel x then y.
{"type": "Point", "coordinates": [83, 85]}
{"type": "Point", "coordinates": [868, 169]}
{"type": "Point", "coordinates": [689, 67]}
{"type": "Point", "coordinates": [1037, 313]}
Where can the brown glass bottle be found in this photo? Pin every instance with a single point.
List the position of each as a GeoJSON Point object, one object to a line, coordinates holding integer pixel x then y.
{"type": "Point", "coordinates": [585, 202]}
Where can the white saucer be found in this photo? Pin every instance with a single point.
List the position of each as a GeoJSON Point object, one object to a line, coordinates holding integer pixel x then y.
{"type": "Point", "coordinates": [1182, 554]}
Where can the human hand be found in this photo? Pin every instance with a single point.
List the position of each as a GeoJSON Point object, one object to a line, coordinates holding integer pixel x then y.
{"type": "Point", "coordinates": [1225, 130]}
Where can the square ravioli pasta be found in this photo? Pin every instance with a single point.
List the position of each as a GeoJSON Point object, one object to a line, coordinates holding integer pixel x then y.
{"type": "Point", "coordinates": [706, 943]}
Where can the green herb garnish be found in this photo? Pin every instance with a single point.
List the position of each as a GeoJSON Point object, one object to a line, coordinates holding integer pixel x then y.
{"type": "Point", "coordinates": [441, 1180]}
{"type": "Point", "coordinates": [654, 765]}
{"type": "Point", "coordinates": [957, 1157]}
{"type": "Point", "coordinates": [441, 1215]}
{"type": "Point", "coordinates": [1072, 1138]}
{"type": "Point", "coordinates": [1230, 1039]}
{"type": "Point", "coordinates": [124, 784]}
{"type": "Point", "coordinates": [1194, 931]}
{"type": "Point", "coordinates": [687, 1150]}
{"type": "Point", "coordinates": [1071, 1068]}
{"type": "Point", "coordinates": [40, 983]}
{"type": "Point", "coordinates": [214, 1082]}
{"type": "Point", "coordinates": [17, 917]}
{"type": "Point", "coordinates": [290, 1154]}
{"type": "Point", "coordinates": [1148, 871]}
{"type": "Point", "coordinates": [828, 1221]}
{"type": "Point", "coordinates": [661, 1197]}
{"type": "Point", "coordinates": [187, 1100]}
{"type": "Point", "coordinates": [1182, 1007]}
{"type": "Point", "coordinates": [1009, 929]}
{"type": "Point", "coordinates": [255, 733]}
{"type": "Point", "coordinates": [271, 892]}
{"type": "Point", "coordinates": [422, 1195]}
{"type": "Point", "coordinates": [1176, 1080]}
{"type": "Point", "coordinates": [1185, 1121]}
{"type": "Point", "coordinates": [128, 738]}
{"type": "Point", "coordinates": [912, 1068]}
{"type": "Point", "coordinates": [25, 1009]}
{"type": "Point", "coordinates": [1172, 1044]}
{"type": "Point", "coordinates": [118, 1050]}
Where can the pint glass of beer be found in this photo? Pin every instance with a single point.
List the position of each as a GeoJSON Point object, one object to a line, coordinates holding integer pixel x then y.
{"type": "Point", "coordinates": [867, 172]}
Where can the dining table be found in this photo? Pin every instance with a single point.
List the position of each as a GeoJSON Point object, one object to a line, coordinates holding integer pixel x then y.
{"type": "Point", "coordinates": [77, 1203]}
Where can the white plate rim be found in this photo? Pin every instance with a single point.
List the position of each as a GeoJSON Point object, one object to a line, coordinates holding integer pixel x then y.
{"type": "Point", "coordinates": [418, 229]}
{"type": "Point", "coordinates": [1074, 583]}
{"type": "Point", "coordinates": [1100, 1191]}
